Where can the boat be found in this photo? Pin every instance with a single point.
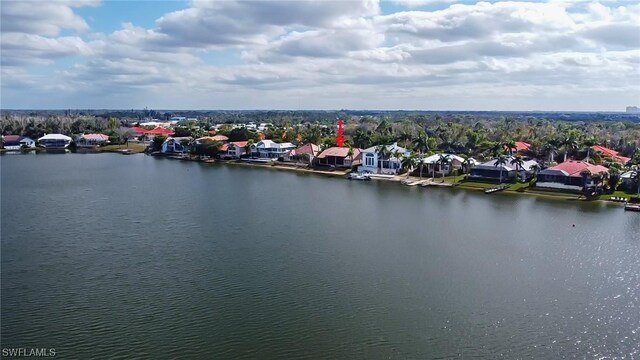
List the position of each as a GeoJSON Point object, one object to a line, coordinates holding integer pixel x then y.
{"type": "Point", "coordinates": [617, 199]}
{"type": "Point", "coordinates": [126, 152]}
{"type": "Point", "coordinates": [358, 176]}
{"type": "Point", "coordinates": [633, 204]}
{"type": "Point", "coordinates": [496, 189]}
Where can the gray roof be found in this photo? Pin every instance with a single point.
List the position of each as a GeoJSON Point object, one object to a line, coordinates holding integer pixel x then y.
{"type": "Point", "coordinates": [491, 165]}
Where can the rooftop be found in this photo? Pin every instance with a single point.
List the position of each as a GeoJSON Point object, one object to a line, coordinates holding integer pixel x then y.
{"type": "Point", "coordinates": [574, 168]}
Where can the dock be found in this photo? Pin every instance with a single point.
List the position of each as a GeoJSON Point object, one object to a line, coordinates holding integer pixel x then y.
{"type": "Point", "coordinates": [414, 183]}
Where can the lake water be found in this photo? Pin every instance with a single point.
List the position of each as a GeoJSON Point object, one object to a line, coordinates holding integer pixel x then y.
{"type": "Point", "coordinates": [111, 256]}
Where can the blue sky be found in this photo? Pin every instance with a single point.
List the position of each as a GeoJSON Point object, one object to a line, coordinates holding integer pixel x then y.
{"type": "Point", "coordinates": [111, 14]}
{"type": "Point", "coordinates": [360, 54]}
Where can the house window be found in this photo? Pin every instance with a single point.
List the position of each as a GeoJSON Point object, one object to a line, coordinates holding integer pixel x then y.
{"type": "Point", "coordinates": [369, 160]}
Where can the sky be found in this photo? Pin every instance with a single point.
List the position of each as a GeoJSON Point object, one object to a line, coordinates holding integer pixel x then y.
{"type": "Point", "coordinates": [555, 55]}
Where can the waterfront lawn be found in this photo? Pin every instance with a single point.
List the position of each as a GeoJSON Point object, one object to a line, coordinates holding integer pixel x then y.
{"type": "Point", "coordinates": [134, 147]}
{"type": "Point", "coordinates": [450, 179]}
{"type": "Point", "coordinates": [618, 193]}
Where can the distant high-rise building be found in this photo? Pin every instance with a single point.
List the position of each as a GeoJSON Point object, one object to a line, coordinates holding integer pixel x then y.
{"type": "Point", "coordinates": [633, 109]}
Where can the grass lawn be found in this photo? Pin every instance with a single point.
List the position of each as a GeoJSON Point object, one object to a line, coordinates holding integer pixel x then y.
{"type": "Point", "coordinates": [134, 147]}
{"type": "Point", "coordinates": [617, 194]}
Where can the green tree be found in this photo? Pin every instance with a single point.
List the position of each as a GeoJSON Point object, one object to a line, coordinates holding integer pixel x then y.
{"type": "Point", "coordinates": [408, 163]}
{"type": "Point", "coordinates": [518, 163]}
{"type": "Point", "coordinates": [568, 143]}
{"type": "Point", "coordinates": [442, 161]}
{"type": "Point", "coordinates": [383, 154]}
{"type": "Point", "coordinates": [586, 175]}
{"type": "Point", "coordinates": [510, 146]}
{"type": "Point", "coordinates": [588, 142]}
{"type": "Point", "coordinates": [421, 146]}
{"type": "Point", "coordinates": [158, 140]}
{"type": "Point", "coordinates": [501, 160]}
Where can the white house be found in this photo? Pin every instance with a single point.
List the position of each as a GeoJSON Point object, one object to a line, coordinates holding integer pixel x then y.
{"type": "Point", "coordinates": [91, 140]}
{"type": "Point", "coordinates": [173, 146]}
{"type": "Point", "coordinates": [17, 142]}
{"type": "Point", "coordinates": [235, 150]}
{"type": "Point", "coordinates": [374, 161]}
{"type": "Point", "coordinates": [55, 141]}
{"type": "Point", "coordinates": [433, 165]}
{"type": "Point", "coordinates": [270, 150]}
{"type": "Point", "coordinates": [493, 170]}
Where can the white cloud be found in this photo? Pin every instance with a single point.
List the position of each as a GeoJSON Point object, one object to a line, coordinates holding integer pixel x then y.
{"type": "Point", "coordinates": [42, 17]}
{"type": "Point", "coordinates": [343, 54]}
{"type": "Point", "coordinates": [419, 3]}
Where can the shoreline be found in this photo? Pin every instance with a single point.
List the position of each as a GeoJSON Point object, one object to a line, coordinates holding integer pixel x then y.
{"type": "Point", "coordinates": [399, 179]}
{"type": "Point", "coordinates": [545, 194]}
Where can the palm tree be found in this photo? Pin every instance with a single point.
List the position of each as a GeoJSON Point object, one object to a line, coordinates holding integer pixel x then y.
{"type": "Point", "coordinates": [568, 143]}
{"type": "Point", "coordinates": [421, 145]}
{"type": "Point", "coordinates": [551, 149]}
{"type": "Point", "coordinates": [466, 164]}
{"type": "Point", "coordinates": [500, 161]}
{"type": "Point", "coordinates": [518, 163]}
{"type": "Point", "coordinates": [588, 143]}
{"type": "Point", "coordinates": [613, 177]}
{"type": "Point", "coordinates": [350, 153]}
{"type": "Point", "coordinates": [535, 168]}
{"type": "Point", "coordinates": [398, 155]}
{"type": "Point", "coordinates": [408, 162]}
{"type": "Point", "coordinates": [586, 173]}
{"type": "Point", "coordinates": [510, 146]}
{"type": "Point", "coordinates": [442, 161]}
{"type": "Point", "coordinates": [247, 147]}
{"type": "Point", "coordinates": [383, 153]}
{"type": "Point", "coordinates": [598, 178]}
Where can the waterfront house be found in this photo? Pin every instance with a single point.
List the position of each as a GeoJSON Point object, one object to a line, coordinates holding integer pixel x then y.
{"type": "Point", "coordinates": [268, 149]}
{"type": "Point", "coordinates": [17, 142]}
{"type": "Point", "coordinates": [55, 141]}
{"type": "Point", "coordinates": [149, 134]}
{"type": "Point", "coordinates": [339, 157]}
{"type": "Point", "coordinates": [91, 140]}
{"type": "Point", "coordinates": [383, 159]}
{"type": "Point", "coordinates": [569, 175]}
{"type": "Point", "coordinates": [492, 170]}
{"type": "Point", "coordinates": [611, 153]}
{"type": "Point", "coordinates": [305, 153]}
{"type": "Point", "coordinates": [174, 146]}
{"type": "Point", "coordinates": [433, 164]}
{"type": "Point", "coordinates": [234, 150]}
{"type": "Point", "coordinates": [627, 180]}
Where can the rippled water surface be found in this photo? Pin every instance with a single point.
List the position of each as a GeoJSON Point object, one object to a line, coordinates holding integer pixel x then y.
{"type": "Point", "coordinates": [111, 256]}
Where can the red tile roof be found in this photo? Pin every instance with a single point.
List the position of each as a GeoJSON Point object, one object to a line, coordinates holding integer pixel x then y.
{"type": "Point", "coordinates": [338, 152]}
{"type": "Point", "coordinates": [139, 130]}
{"type": "Point", "coordinates": [160, 131]}
{"type": "Point", "coordinates": [309, 148]}
{"type": "Point", "coordinates": [11, 138]}
{"type": "Point", "coordinates": [573, 168]}
{"type": "Point", "coordinates": [224, 147]}
{"type": "Point", "coordinates": [521, 145]}
{"type": "Point", "coordinates": [95, 136]}
{"type": "Point", "coordinates": [219, 138]}
{"type": "Point", "coordinates": [240, 144]}
{"type": "Point", "coordinates": [611, 153]}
